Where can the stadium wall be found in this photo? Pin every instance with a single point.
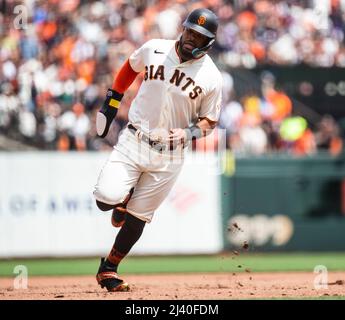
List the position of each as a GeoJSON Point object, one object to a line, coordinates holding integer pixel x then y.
{"type": "Point", "coordinates": [280, 203]}
{"type": "Point", "coordinates": [285, 203]}
{"type": "Point", "coordinates": [47, 208]}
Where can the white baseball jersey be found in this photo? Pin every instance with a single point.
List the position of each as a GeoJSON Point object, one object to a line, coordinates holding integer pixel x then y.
{"type": "Point", "coordinates": [173, 94]}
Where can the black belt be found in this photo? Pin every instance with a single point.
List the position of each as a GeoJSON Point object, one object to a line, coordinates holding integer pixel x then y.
{"type": "Point", "coordinates": [157, 145]}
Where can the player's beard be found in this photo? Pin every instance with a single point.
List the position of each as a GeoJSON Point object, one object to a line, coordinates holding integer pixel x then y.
{"type": "Point", "coordinates": [185, 54]}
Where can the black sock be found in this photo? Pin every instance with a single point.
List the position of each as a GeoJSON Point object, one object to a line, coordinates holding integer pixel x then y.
{"type": "Point", "coordinates": [109, 265]}
{"type": "Point", "coordinates": [104, 206]}
{"type": "Point", "coordinates": [128, 235]}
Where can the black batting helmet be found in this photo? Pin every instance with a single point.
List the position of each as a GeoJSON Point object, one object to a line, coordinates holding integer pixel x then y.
{"type": "Point", "coordinates": [203, 21]}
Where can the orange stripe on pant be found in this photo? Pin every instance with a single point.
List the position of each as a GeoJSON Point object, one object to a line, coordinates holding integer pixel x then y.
{"type": "Point", "coordinates": [115, 256]}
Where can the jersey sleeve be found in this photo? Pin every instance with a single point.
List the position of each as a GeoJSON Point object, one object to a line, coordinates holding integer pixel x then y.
{"type": "Point", "coordinates": [137, 58]}
{"type": "Point", "coordinates": [211, 103]}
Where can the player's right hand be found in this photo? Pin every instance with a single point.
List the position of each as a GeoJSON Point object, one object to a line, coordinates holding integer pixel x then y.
{"type": "Point", "coordinates": [108, 112]}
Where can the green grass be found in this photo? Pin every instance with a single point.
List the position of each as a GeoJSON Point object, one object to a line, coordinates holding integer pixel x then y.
{"type": "Point", "coordinates": [172, 264]}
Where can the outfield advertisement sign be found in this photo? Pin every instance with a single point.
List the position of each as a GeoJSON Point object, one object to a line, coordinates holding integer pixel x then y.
{"type": "Point", "coordinates": [47, 208]}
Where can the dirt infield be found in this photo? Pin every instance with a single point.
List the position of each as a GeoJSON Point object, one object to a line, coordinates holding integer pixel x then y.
{"type": "Point", "coordinates": [217, 286]}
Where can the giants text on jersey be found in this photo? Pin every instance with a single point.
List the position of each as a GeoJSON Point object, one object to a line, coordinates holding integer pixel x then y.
{"type": "Point", "coordinates": [173, 94]}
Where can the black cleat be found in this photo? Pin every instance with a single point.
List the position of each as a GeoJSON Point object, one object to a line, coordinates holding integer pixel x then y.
{"type": "Point", "coordinates": [106, 277]}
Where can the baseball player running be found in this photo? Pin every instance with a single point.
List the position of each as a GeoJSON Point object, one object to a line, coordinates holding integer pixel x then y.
{"type": "Point", "coordinates": [178, 101]}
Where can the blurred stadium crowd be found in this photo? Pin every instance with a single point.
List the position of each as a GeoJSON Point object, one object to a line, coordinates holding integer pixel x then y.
{"type": "Point", "coordinates": [57, 61]}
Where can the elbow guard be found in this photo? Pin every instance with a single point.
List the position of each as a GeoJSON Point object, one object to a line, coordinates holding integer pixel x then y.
{"type": "Point", "coordinates": [108, 112]}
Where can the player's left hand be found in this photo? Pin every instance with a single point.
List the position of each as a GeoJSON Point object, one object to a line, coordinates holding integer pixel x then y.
{"type": "Point", "coordinates": [177, 136]}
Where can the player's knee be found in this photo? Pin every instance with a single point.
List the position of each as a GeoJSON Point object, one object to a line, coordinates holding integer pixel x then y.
{"type": "Point", "coordinates": [110, 197]}
{"type": "Point", "coordinates": [104, 206]}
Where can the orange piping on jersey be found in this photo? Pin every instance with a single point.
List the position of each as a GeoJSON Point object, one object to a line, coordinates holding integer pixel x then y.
{"type": "Point", "coordinates": [124, 78]}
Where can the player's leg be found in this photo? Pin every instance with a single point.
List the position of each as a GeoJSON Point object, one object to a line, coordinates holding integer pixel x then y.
{"type": "Point", "coordinates": [113, 190]}
{"type": "Point", "coordinates": [104, 206]}
{"type": "Point", "coordinates": [119, 212]}
{"type": "Point", "coordinates": [151, 190]}
{"type": "Point", "coordinates": [128, 235]}
{"type": "Point", "coordinates": [115, 182]}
